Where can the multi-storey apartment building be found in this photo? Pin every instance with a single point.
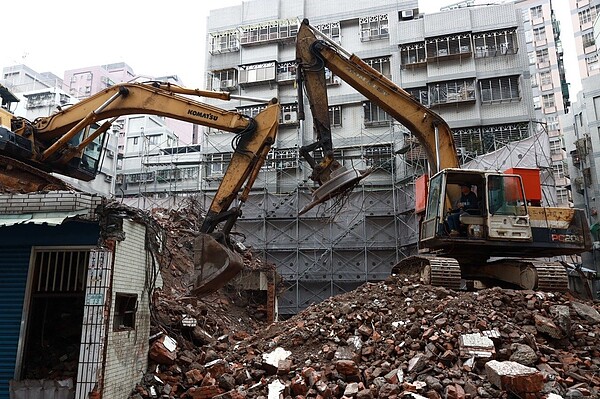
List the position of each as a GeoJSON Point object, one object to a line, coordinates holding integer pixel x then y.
{"type": "Point", "coordinates": [549, 85]}
{"type": "Point", "coordinates": [140, 138]}
{"type": "Point", "coordinates": [469, 64]}
{"type": "Point", "coordinates": [583, 16]}
{"type": "Point", "coordinates": [582, 133]}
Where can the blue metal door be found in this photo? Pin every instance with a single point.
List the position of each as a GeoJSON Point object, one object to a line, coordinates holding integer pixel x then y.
{"type": "Point", "coordinates": [14, 263]}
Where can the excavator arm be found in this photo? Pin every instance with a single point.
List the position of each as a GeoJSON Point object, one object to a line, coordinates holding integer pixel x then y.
{"type": "Point", "coordinates": [53, 142]}
{"type": "Point", "coordinates": [314, 54]}
{"type": "Point", "coordinates": [56, 144]}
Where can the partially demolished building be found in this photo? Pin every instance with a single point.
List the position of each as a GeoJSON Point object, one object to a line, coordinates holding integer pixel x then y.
{"type": "Point", "coordinates": [76, 276]}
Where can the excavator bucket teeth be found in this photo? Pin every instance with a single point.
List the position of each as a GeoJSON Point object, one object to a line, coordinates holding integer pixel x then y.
{"type": "Point", "coordinates": [214, 264]}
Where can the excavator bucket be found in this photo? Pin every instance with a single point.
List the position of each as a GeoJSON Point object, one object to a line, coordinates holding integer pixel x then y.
{"type": "Point", "coordinates": [214, 264]}
{"type": "Point", "coordinates": [342, 180]}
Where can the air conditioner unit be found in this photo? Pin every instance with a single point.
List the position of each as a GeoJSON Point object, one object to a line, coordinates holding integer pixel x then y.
{"type": "Point", "coordinates": [407, 14]}
{"type": "Point", "coordinates": [225, 84]}
{"type": "Point", "coordinates": [289, 117]}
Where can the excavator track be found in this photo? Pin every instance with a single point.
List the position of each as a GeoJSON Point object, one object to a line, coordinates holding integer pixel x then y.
{"type": "Point", "coordinates": [529, 274]}
{"type": "Point", "coordinates": [436, 271]}
{"type": "Point", "coordinates": [551, 276]}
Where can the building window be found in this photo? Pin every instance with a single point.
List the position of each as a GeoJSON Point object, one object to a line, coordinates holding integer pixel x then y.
{"type": "Point", "coordinates": [499, 89]}
{"type": "Point", "coordinates": [269, 31]}
{"type": "Point", "coordinates": [374, 27]}
{"type": "Point", "coordinates": [286, 71]}
{"type": "Point", "coordinates": [154, 139]}
{"type": "Point", "coordinates": [592, 62]}
{"type": "Point", "coordinates": [545, 79]}
{"type": "Point", "coordinates": [281, 159]}
{"type": "Point", "coordinates": [539, 34]}
{"type": "Point", "coordinates": [251, 111]}
{"type": "Point", "coordinates": [412, 54]}
{"type": "Point", "coordinates": [257, 73]}
{"type": "Point", "coordinates": [224, 42]}
{"type": "Point", "coordinates": [556, 147]}
{"type": "Point", "coordinates": [559, 170]}
{"type": "Point", "coordinates": [459, 44]}
{"type": "Point", "coordinates": [588, 39]}
{"type": "Point", "coordinates": [374, 115]}
{"type": "Point", "coordinates": [335, 115]}
{"type": "Point", "coordinates": [536, 12]}
{"type": "Point", "coordinates": [331, 30]}
{"type": "Point", "coordinates": [139, 177]}
{"type": "Point", "coordinates": [380, 157]}
{"type": "Point", "coordinates": [562, 195]}
{"type": "Point", "coordinates": [494, 43]}
{"type": "Point", "coordinates": [330, 78]}
{"type": "Point", "coordinates": [381, 65]}
{"type": "Point", "coordinates": [542, 57]}
{"type": "Point", "coordinates": [452, 92]}
{"type": "Point", "coordinates": [548, 100]}
{"type": "Point", "coordinates": [218, 163]}
{"type": "Point", "coordinates": [125, 309]}
{"type": "Point", "coordinates": [482, 140]}
{"type": "Point", "coordinates": [552, 123]}
{"type": "Point", "coordinates": [225, 79]}
{"type": "Point", "coordinates": [135, 140]}
{"type": "Point", "coordinates": [588, 15]}
{"type": "Point", "coordinates": [421, 94]}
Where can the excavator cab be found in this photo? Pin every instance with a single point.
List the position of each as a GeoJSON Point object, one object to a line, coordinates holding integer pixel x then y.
{"type": "Point", "coordinates": [500, 213]}
{"type": "Point", "coordinates": [86, 166]}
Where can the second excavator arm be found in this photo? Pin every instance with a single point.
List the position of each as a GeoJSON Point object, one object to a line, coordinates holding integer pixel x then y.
{"type": "Point", "coordinates": [56, 144]}
{"type": "Point", "coordinates": [315, 54]}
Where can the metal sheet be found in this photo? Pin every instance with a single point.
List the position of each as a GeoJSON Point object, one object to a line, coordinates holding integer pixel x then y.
{"type": "Point", "coordinates": [49, 218]}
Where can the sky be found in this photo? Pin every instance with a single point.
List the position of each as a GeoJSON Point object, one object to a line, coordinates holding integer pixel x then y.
{"type": "Point", "coordinates": [154, 37]}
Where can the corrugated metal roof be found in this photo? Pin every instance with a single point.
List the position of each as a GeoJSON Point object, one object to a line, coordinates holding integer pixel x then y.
{"type": "Point", "coordinates": [49, 218]}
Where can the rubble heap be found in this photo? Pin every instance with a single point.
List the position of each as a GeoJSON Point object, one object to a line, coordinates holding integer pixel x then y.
{"type": "Point", "coordinates": [391, 339]}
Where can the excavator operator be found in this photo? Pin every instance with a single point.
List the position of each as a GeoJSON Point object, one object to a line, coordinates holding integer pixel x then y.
{"type": "Point", "coordinates": [467, 203]}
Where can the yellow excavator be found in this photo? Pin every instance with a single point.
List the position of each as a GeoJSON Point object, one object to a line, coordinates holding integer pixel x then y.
{"type": "Point", "coordinates": [69, 143]}
{"type": "Point", "coordinates": [507, 239]}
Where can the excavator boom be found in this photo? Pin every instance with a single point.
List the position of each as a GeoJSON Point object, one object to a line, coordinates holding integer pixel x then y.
{"type": "Point", "coordinates": [314, 54]}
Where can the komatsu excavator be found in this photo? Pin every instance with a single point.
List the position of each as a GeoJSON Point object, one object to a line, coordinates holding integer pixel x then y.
{"type": "Point", "coordinates": [505, 240]}
{"type": "Point", "coordinates": [61, 143]}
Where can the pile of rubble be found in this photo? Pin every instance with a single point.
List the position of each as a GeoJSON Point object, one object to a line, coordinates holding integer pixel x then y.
{"type": "Point", "coordinates": [391, 339]}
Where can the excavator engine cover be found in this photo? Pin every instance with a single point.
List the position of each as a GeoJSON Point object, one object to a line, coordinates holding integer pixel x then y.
{"type": "Point", "coordinates": [214, 265]}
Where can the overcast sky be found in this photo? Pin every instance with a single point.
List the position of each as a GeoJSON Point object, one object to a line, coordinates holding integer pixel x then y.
{"type": "Point", "coordinates": [154, 37]}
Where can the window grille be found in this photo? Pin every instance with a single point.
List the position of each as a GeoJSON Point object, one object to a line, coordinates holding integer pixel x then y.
{"type": "Point", "coordinates": [500, 89]}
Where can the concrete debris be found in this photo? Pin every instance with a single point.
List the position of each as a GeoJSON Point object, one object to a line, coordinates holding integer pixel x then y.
{"type": "Point", "coordinates": [392, 339]}
{"type": "Point", "coordinates": [587, 312]}
{"type": "Point", "coordinates": [514, 377]}
{"type": "Point", "coordinates": [476, 345]}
